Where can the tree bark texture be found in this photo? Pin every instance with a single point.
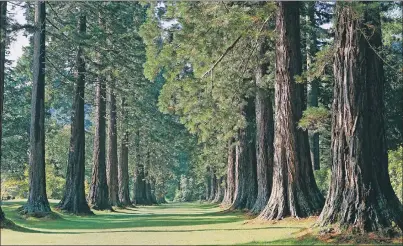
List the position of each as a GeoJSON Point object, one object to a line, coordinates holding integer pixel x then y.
{"type": "Point", "coordinates": [37, 200]}
{"type": "Point", "coordinates": [74, 200]}
{"type": "Point", "coordinates": [139, 196]}
{"type": "Point", "coordinates": [112, 163]}
{"type": "Point", "coordinates": [245, 163]}
{"type": "Point", "coordinates": [123, 168]}
{"type": "Point", "coordinates": [208, 184]}
{"type": "Point", "coordinates": [294, 192]}
{"type": "Point", "coordinates": [99, 194]}
{"type": "Point", "coordinates": [230, 183]}
{"type": "Point", "coordinates": [360, 194]}
{"type": "Point", "coordinates": [264, 133]}
{"type": "Point", "coordinates": [313, 84]}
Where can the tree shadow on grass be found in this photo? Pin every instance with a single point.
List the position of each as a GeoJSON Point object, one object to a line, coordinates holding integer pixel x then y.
{"type": "Point", "coordinates": [124, 219]}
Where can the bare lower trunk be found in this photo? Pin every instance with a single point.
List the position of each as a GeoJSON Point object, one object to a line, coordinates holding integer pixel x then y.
{"type": "Point", "coordinates": [73, 200]}
{"type": "Point", "coordinates": [99, 196]}
{"type": "Point", "coordinates": [219, 191]}
{"type": "Point", "coordinates": [123, 169]}
{"type": "Point", "coordinates": [360, 194]}
{"type": "Point", "coordinates": [139, 196]}
{"type": "Point", "coordinates": [230, 183]}
{"type": "Point", "coordinates": [37, 200]}
{"type": "Point", "coordinates": [245, 164]}
{"type": "Point", "coordinates": [213, 188]}
{"type": "Point", "coordinates": [208, 184]}
{"type": "Point", "coordinates": [112, 164]}
{"type": "Point", "coordinates": [294, 192]}
{"type": "Point", "coordinates": [264, 133]}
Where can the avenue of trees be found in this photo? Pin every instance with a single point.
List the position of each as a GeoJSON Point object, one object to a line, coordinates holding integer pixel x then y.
{"type": "Point", "coordinates": [281, 109]}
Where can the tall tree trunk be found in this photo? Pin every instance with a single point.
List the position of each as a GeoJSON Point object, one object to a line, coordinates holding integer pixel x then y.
{"type": "Point", "coordinates": [73, 200]}
{"type": "Point", "coordinates": [149, 196]}
{"type": "Point", "coordinates": [99, 194]}
{"type": "Point", "coordinates": [208, 184]}
{"type": "Point", "coordinates": [264, 133]}
{"type": "Point", "coordinates": [219, 191]}
{"type": "Point", "coordinates": [38, 204]}
{"type": "Point", "coordinates": [313, 84]}
{"type": "Point", "coordinates": [294, 191]}
{"type": "Point", "coordinates": [360, 194]}
{"type": "Point", "coordinates": [213, 184]}
{"type": "Point", "coordinates": [112, 164]}
{"type": "Point", "coordinates": [230, 184]}
{"type": "Point", "coordinates": [139, 196]}
{"type": "Point", "coordinates": [3, 38]}
{"type": "Point", "coordinates": [245, 163]}
{"type": "Point", "coordinates": [123, 169]}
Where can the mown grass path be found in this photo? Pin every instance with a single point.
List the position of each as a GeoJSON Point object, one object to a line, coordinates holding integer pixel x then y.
{"type": "Point", "coordinates": [174, 223]}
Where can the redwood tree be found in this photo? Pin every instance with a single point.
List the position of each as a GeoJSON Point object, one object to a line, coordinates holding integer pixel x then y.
{"type": "Point", "coordinates": [264, 132]}
{"type": "Point", "coordinates": [123, 168]}
{"type": "Point", "coordinates": [294, 192]}
{"type": "Point", "coordinates": [112, 163]}
{"type": "Point", "coordinates": [230, 183]}
{"type": "Point", "coordinates": [245, 163]}
{"type": "Point", "coordinates": [73, 200]}
{"type": "Point", "coordinates": [360, 194]}
{"type": "Point", "coordinates": [38, 204]}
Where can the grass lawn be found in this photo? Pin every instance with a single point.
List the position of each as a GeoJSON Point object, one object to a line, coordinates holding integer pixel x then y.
{"type": "Point", "coordinates": [174, 223]}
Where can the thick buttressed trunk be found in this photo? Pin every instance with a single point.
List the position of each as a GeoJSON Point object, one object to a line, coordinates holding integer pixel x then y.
{"type": "Point", "coordinates": [139, 187]}
{"type": "Point", "coordinates": [112, 164]}
{"type": "Point", "coordinates": [123, 168]}
{"type": "Point", "coordinates": [213, 188]}
{"type": "Point", "coordinates": [313, 84]}
{"type": "Point", "coordinates": [264, 133]}
{"type": "Point", "coordinates": [294, 192]}
{"type": "Point", "coordinates": [37, 200]}
{"type": "Point", "coordinates": [99, 195]}
{"type": "Point", "coordinates": [245, 163]}
{"type": "Point", "coordinates": [360, 194]}
{"type": "Point", "coordinates": [73, 200]}
{"type": "Point", "coordinates": [219, 190]}
{"type": "Point", "coordinates": [230, 183]}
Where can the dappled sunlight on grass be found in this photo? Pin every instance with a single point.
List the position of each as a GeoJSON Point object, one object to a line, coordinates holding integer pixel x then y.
{"type": "Point", "coordinates": [173, 223]}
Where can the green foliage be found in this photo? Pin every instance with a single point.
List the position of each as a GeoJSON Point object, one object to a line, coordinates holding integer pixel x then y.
{"type": "Point", "coordinates": [315, 119]}
{"type": "Point", "coordinates": [396, 171]}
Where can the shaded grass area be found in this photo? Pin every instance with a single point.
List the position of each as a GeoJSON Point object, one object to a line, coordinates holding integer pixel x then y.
{"type": "Point", "coordinates": [125, 218]}
{"type": "Point", "coordinates": [167, 224]}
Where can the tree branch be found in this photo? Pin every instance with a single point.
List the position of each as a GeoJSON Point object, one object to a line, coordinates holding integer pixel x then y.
{"type": "Point", "coordinates": [222, 56]}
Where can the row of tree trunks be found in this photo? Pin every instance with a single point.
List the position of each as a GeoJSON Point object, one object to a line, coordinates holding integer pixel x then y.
{"type": "Point", "coordinates": [360, 194]}
{"type": "Point", "coordinates": [3, 38]}
{"type": "Point", "coordinates": [74, 200]}
{"type": "Point", "coordinates": [37, 204]}
{"type": "Point", "coordinates": [245, 163]}
{"type": "Point", "coordinates": [294, 192]}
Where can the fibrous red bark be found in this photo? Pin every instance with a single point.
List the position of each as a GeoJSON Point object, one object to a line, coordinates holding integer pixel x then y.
{"type": "Point", "coordinates": [360, 194]}
{"type": "Point", "coordinates": [294, 192]}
